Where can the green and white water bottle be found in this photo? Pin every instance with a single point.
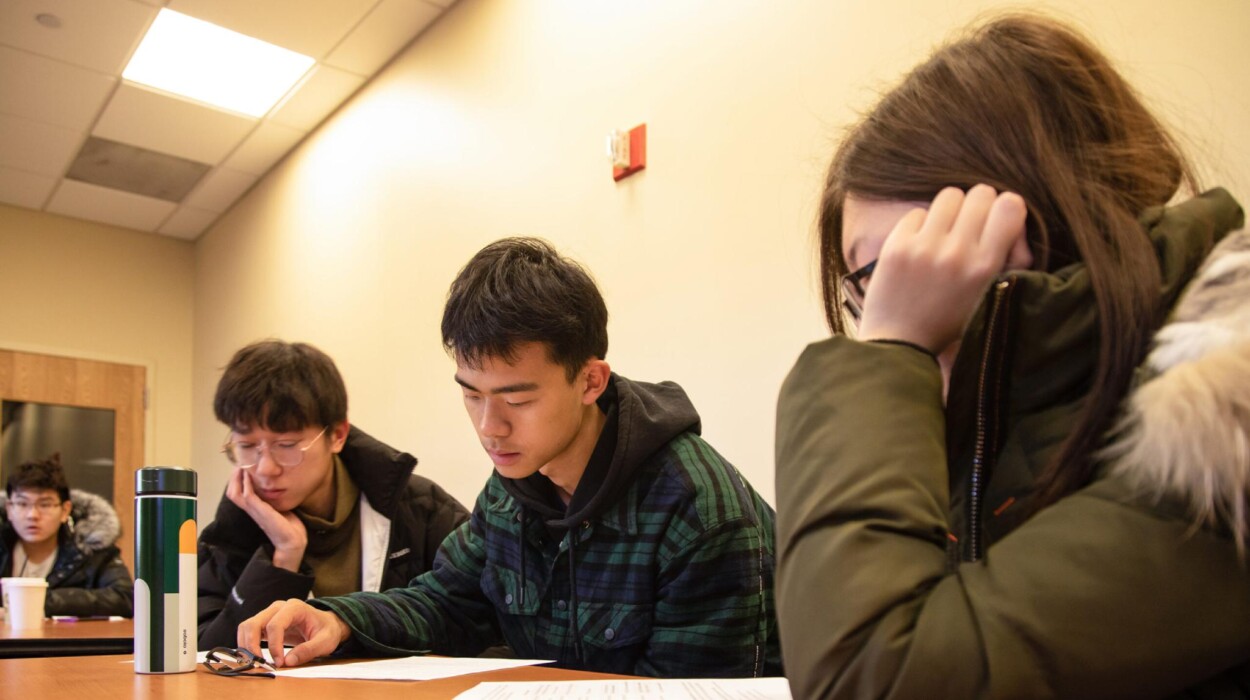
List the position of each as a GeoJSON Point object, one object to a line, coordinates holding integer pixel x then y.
{"type": "Point", "coordinates": [165, 588]}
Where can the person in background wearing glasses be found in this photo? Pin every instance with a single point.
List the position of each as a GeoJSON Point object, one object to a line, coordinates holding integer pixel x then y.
{"type": "Point", "coordinates": [986, 485]}
{"type": "Point", "coordinates": [314, 505]}
{"type": "Point", "coordinates": [69, 538]}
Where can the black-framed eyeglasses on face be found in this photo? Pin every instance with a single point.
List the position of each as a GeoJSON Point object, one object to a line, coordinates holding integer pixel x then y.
{"type": "Point", "coordinates": [286, 453]}
{"type": "Point", "coordinates": [225, 661]}
{"type": "Point", "coordinates": [854, 285]}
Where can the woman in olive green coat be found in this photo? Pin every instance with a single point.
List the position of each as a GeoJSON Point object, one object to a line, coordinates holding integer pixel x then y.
{"type": "Point", "coordinates": [953, 519]}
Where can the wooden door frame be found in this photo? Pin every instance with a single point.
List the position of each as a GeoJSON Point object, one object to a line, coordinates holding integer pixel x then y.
{"type": "Point", "coordinates": [54, 378]}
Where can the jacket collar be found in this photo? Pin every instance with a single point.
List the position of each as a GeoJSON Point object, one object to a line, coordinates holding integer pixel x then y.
{"type": "Point", "coordinates": [1185, 433]}
{"type": "Point", "coordinates": [378, 469]}
{"type": "Point", "coordinates": [1051, 342]}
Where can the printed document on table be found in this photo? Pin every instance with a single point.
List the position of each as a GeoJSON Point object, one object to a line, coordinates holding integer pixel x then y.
{"type": "Point", "coordinates": [680, 689]}
{"type": "Point", "coordinates": [408, 668]}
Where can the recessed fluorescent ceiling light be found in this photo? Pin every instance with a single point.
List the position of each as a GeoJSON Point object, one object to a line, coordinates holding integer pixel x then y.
{"type": "Point", "coordinates": [196, 59]}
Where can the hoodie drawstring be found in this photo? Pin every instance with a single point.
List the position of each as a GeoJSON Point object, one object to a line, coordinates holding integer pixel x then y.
{"type": "Point", "coordinates": [521, 543]}
{"type": "Point", "coordinates": [574, 630]}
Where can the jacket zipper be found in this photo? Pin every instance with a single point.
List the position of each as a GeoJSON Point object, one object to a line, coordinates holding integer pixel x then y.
{"type": "Point", "coordinates": [981, 456]}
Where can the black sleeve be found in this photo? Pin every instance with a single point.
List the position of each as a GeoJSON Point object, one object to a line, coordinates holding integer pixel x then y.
{"type": "Point", "coordinates": [445, 515]}
{"type": "Point", "coordinates": [109, 589]}
{"type": "Point", "coordinates": [230, 591]}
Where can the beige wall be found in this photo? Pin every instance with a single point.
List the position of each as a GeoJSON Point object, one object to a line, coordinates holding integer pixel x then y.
{"type": "Point", "coordinates": [493, 124]}
{"type": "Point", "coordinates": [99, 292]}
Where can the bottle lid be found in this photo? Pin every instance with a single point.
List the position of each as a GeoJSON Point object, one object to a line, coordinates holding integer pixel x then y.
{"type": "Point", "coordinates": [170, 480]}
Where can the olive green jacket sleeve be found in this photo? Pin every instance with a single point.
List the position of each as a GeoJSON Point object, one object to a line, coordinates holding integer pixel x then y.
{"type": "Point", "coordinates": [1099, 595]}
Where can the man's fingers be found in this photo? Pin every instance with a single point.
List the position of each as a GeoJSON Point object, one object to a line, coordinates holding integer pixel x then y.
{"type": "Point", "coordinates": [234, 488]}
{"type": "Point", "coordinates": [275, 630]}
{"type": "Point", "coordinates": [247, 635]}
{"type": "Point", "coordinates": [306, 651]}
{"type": "Point", "coordinates": [250, 632]}
{"type": "Point", "coordinates": [315, 630]}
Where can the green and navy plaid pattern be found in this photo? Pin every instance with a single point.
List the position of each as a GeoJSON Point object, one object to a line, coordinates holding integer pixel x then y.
{"type": "Point", "coordinates": [674, 580]}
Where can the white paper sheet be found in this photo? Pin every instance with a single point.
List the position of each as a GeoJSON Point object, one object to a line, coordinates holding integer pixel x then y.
{"type": "Point", "coordinates": [408, 668]}
{"type": "Point", "coordinates": [684, 689]}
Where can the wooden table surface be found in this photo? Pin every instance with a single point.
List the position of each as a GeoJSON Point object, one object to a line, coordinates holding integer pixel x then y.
{"type": "Point", "coordinates": [109, 677]}
{"type": "Point", "coordinates": [83, 629]}
{"type": "Point", "coordinates": [66, 638]}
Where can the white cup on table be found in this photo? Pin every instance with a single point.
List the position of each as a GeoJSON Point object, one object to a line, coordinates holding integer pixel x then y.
{"type": "Point", "coordinates": [23, 601]}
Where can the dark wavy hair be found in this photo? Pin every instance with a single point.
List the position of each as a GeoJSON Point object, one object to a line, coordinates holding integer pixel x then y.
{"type": "Point", "coordinates": [1028, 105]}
{"type": "Point", "coordinates": [39, 474]}
{"type": "Point", "coordinates": [519, 290]}
{"type": "Point", "coordinates": [280, 386]}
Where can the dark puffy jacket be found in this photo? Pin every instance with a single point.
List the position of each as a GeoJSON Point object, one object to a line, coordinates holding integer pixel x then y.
{"type": "Point", "coordinates": [237, 578]}
{"type": "Point", "coordinates": [89, 577]}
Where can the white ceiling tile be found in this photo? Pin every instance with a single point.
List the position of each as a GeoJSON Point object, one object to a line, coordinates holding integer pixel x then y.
{"type": "Point", "coordinates": [317, 97]}
{"type": "Point", "coordinates": [310, 27]}
{"type": "Point", "coordinates": [218, 190]}
{"type": "Point", "coordinates": [389, 28]}
{"type": "Point", "coordinates": [47, 90]}
{"type": "Point", "coordinates": [188, 222]}
{"type": "Point", "coordinates": [160, 122]}
{"type": "Point", "coordinates": [264, 147]}
{"type": "Point", "coordinates": [25, 189]}
{"type": "Point", "coordinates": [37, 147]}
{"type": "Point", "coordinates": [58, 83]}
{"type": "Point", "coordinates": [95, 34]}
{"type": "Point", "coordinates": [83, 201]}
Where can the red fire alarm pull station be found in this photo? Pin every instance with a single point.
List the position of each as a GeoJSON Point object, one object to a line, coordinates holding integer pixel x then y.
{"type": "Point", "coordinates": [629, 151]}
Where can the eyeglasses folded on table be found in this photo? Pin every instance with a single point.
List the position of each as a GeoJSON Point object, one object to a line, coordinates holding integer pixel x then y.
{"type": "Point", "coordinates": [225, 661]}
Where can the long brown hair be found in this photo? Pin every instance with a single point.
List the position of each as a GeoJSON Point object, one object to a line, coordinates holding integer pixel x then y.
{"type": "Point", "coordinates": [1026, 104]}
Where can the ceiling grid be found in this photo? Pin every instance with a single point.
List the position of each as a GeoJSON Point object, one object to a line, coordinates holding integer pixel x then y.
{"type": "Point", "coordinates": [79, 140]}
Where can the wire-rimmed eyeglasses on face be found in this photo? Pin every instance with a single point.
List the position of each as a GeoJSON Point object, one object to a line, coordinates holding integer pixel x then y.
{"type": "Point", "coordinates": [42, 507]}
{"type": "Point", "coordinates": [225, 661]}
{"type": "Point", "coordinates": [853, 290]}
{"type": "Point", "coordinates": [286, 453]}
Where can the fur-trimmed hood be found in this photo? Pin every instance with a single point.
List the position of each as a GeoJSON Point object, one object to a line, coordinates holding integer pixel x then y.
{"type": "Point", "coordinates": [93, 524]}
{"type": "Point", "coordinates": [1186, 429]}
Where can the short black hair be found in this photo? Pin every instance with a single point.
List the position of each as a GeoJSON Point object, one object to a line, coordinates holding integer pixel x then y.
{"type": "Point", "coordinates": [519, 290]}
{"type": "Point", "coordinates": [39, 474]}
{"type": "Point", "coordinates": [281, 387]}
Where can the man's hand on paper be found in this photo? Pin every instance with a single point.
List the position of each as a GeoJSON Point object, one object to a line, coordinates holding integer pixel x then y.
{"type": "Point", "coordinates": [316, 632]}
